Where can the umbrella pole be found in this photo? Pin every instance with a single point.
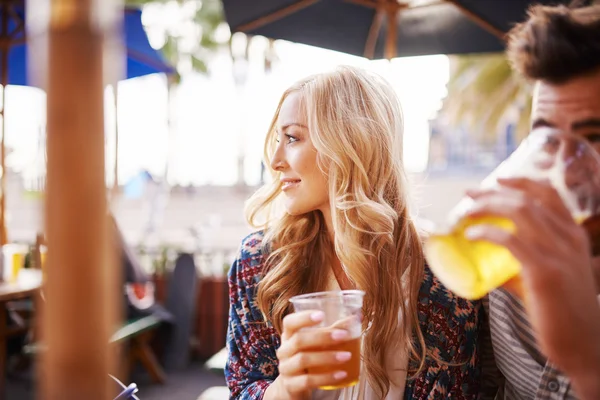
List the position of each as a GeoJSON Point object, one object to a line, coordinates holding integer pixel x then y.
{"type": "Point", "coordinates": [81, 287]}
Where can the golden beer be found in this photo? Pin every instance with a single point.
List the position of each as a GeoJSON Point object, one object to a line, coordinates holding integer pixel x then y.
{"type": "Point", "coordinates": [471, 269]}
{"type": "Point", "coordinates": [343, 310]}
{"type": "Point", "coordinates": [351, 367]}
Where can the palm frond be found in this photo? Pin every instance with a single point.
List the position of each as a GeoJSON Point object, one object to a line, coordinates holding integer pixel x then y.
{"type": "Point", "coordinates": [482, 90]}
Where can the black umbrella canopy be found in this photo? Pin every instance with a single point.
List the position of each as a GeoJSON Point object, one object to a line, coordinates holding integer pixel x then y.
{"type": "Point", "coordinates": [384, 28]}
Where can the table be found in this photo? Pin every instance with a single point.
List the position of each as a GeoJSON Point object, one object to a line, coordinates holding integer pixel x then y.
{"type": "Point", "coordinates": [216, 364]}
{"type": "Point", "coordinates": [27, 284]}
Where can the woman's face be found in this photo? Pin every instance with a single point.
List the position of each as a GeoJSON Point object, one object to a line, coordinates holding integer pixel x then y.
{"type": "Point", "coordinates": [302, 182]}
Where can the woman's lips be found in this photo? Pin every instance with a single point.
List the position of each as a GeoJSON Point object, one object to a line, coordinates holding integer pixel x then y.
{"type": "Point", "coordinates": [289, 184]}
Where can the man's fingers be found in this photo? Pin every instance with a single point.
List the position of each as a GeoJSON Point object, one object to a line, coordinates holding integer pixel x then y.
{"type": "Point", "coordinates": [537, 266]}
{"type": "Point", "coordinates": [501, 237]}
{"type": "Point", "coordinates": [540, 190]}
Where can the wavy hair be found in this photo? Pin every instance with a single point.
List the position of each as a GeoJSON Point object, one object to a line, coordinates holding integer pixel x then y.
{"type": "Point", "coordinates": [355, 122]}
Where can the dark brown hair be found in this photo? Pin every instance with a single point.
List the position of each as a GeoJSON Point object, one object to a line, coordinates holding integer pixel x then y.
{"type": "Point", "coordinates": [556, 43]}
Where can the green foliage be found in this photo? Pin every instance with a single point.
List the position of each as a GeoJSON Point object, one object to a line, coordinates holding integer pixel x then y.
{"type": "Point", "coordinates": [483, 92]}
{"type": "Point", "coordinates": [207, 18]}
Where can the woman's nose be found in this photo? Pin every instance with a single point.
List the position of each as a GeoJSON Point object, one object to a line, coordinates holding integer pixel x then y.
{"type": "Point", "coordinates": [278, 161]}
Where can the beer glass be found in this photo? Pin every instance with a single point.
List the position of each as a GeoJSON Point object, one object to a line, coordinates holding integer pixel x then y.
{"type": "Point", "coordinates": [343, 310]}
{"type": "Point", "coordinates": [471, 269]}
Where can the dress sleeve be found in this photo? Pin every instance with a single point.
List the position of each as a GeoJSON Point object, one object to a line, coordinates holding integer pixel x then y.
{"type": "Point", "coordinates": [251, 342]}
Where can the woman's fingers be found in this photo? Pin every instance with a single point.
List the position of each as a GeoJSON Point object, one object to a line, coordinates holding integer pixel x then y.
{"type": "Point", "coordinates": [311, 339]}
{"type": "Point", "coordinates": [305, 353]}
{"type": "Point", "coordinates": [302, 383]}
{"type": "Point", "coordinates": [296, 321]}
{"type": "Point", "coordinates": [299, 363]}
{"type": "Point", "coordinates": [347, 323]}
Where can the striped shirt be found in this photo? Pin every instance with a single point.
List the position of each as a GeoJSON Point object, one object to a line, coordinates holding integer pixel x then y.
{"type": "Point", "coordinates": [528, 374]}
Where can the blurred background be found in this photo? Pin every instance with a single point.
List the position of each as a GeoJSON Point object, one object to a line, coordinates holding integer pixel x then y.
{"type": "Point", "coordinates": [184, 152]}
{"type": "Point", "coordinates": [190, 145]}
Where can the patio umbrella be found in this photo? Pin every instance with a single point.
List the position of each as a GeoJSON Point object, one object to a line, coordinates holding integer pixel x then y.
{"type": "Point", "coordinates": [142, 59]}
{"type": "Point", "coordinates": [383, 28]}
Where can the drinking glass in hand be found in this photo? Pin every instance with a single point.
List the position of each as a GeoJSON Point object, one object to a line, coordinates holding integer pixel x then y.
{"type": "Point", "coordinates": [343, 310]}
{"type": "Point", "coordinates": [472, 269]}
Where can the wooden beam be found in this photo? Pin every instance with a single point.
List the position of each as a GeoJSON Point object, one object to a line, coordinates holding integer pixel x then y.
{"type": "Point", "coordinates": [276, 15]}
{"type": "Point", "coordinates": [70, 40]}
{"type": "Point", "coordinates": [479, 20]}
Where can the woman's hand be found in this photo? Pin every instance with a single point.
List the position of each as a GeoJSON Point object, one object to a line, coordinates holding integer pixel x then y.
{"type": "Point", "coordinates": [299, 355]}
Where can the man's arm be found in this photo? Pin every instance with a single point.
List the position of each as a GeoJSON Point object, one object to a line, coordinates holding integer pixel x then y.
{"type": "Point", "coordinates": [560, 289]}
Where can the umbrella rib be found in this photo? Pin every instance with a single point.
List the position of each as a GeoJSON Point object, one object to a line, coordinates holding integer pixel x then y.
{"type": "Point", "coordinates": [427, 5]}
{"type": "Point", "coordinates": [373, 33]}
{"type": "Point", "coordinates": [365, 3]}
{"type": "Point", "coordinates": [276, 15]}
{"type": "Point", "coordinates": [479, 20]}
{"type": "Point", "coordinates": [390, 9]}
{"type": "Point", "coordinates": [136, 55]}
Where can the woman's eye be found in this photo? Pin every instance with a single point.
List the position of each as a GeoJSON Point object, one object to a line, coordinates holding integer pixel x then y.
{"type": "Point", "coordinates": [290, 138]}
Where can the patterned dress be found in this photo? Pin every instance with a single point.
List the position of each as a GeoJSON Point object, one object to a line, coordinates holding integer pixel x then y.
{"type": "Point", "coordinates": [451, 327]}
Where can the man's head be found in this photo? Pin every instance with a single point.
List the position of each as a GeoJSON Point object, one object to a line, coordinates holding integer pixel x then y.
{"type": "Point", "coordinates": [559, 49]}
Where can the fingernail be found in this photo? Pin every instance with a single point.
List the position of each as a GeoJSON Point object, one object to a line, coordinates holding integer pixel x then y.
{"type": "Point", "coordinates": [339, 334]}
{"type": "Point", "coordinates": [343, 356]}
{"type": "Point", "coordinates": [340, 375]}
{"type": "Point", "coordinates": [317, 316]}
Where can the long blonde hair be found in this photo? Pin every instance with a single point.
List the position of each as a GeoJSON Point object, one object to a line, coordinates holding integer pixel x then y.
{"type": "Point", "coordinates": [355, 123]}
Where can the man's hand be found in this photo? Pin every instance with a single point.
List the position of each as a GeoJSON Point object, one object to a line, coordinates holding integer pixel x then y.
{"type": "Point", "coordinates": [558, 280]}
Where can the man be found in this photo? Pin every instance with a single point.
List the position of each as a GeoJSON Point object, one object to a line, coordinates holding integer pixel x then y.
{"type": "Point", "coordinates": [551, 350]}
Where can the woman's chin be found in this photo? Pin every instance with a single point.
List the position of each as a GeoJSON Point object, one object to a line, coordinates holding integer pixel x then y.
{"type": "Point", "coordinates": [294, 210]}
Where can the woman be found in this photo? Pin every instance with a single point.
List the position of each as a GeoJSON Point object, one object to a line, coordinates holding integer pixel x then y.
{"type": "Point", "coordinates": [335, 150]}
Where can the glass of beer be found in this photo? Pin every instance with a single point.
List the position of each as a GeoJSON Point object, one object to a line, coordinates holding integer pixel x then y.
{"type": "Point", "coordinates": [343, 310]}
{"type": "Point", "coordinates": [471, 269]}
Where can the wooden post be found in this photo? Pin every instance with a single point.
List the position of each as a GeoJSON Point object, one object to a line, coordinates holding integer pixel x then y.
{"type": "Point", "coordinates": [69, 39]}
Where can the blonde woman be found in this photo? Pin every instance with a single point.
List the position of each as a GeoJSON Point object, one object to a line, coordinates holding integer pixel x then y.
{"type": "Point", "coordinates": [335, 151]}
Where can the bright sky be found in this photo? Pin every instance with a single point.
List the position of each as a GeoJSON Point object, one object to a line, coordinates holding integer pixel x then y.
{"type": "Point", "coordinates": [212, 121]}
